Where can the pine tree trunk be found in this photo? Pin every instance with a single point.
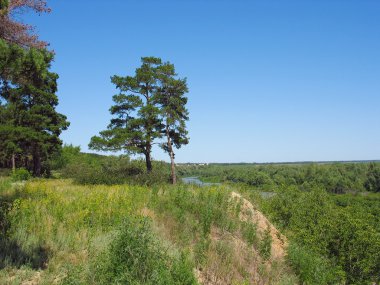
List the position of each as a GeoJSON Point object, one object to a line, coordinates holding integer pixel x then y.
{"type": "Point", "coordinates": [13, 163]}
{"type": "Point", "coordinates": [36, 164]}
{"type": "Point", "coordinates": [171, 154]}
{"type": "Point", "coordinates": [148, 158]}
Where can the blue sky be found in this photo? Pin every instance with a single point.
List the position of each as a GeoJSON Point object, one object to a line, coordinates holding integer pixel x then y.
{"type": "Point", "coordinates": [269, 80]}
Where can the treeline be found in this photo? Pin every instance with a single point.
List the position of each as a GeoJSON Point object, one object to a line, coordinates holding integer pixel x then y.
{"type": "Point", "coordinates": [335, 178]}
{"type": "Point", "coordinates": [92, 169]}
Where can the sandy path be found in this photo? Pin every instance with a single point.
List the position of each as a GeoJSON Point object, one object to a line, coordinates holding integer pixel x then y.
{"type": "Point", "coordinates": [248, 212]}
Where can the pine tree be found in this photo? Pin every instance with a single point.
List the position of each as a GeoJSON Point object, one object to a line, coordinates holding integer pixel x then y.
{"type": "Point", "coordinates": [30, 125]}
{"type": "Point", "coordinates": [173, 113]}
{"type": "Point", "coordinates": [136, 123]}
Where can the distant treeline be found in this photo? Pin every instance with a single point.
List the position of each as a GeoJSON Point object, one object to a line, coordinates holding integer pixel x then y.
{"type": "Point", "coordinates": [290, 162]}
{"type": "Point", "coordinates": [334, 177]}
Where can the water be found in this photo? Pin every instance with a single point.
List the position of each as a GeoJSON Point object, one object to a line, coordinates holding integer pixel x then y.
{"type": "Point", "coordinates": [196, 181]}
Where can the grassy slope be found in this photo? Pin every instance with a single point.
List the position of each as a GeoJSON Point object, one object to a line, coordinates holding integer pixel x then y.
{"type": "Point", "coordinates": [55, 232]}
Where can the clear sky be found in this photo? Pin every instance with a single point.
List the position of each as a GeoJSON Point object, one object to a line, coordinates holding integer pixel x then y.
{"type": "Point", "coordinates": [269, 80]}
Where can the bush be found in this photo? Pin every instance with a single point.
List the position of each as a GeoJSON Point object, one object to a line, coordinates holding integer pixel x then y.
{"type": "Point", "coordinates": [136, 256]}
{"type": "Point", "coordinates": [21, 174]}
{"type": "Point", "coordinates": [312, 268]}
{"type": "Point", "coordinates": [91, 169]}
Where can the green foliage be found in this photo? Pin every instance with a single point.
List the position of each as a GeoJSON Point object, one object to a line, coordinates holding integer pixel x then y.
{"type": "Point", "coordinates": [373, 178]}
{"type": "Point", "coordinates": [201, 250]}
{"type": "Point", "coordinates": [249, 232]}
{"type": "Point", "coordinates": [21, 174]}
{"type": "Point", "coordinates": [362, 206]}
{"type": "Point", "coordinates": [265, 244]}
{"type": "Point", "coordinates": [321, 226]}
{"type": "Point", "coordinates": [337, 234]}
{"type": "Point", "coordinates": [68, 154]}
{"type": "Point", "coordinates": [336, 178]}
{"type": "Point", "coordinates": [29, 123]}
{"type": "Point", "coordinates": [137, 257]}
{"type": "Point", "coordinates": [3, 5]}
{"type": "Point", "coordinates": [150, 103]}
{"type": "Point", "coordinates": [136, 123]}
{"type": "Point", "coordinates": [311, 268]}
{"type": "Point", "coordinates": [90, 234]}
{"type": "Point", "coordinates": [170, 97]}
{"type": "Point", "coordinates": [94, 169]}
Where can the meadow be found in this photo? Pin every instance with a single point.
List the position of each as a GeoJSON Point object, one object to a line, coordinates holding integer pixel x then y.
{"type": "Point", "coordinates": [54, 231]}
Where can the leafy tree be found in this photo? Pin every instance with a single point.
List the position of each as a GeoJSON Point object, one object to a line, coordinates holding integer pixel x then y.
{"type": "Point", "coordinates": [136, 123]}
{"type": "Point", "coordinates": [170, 97]}
{"type": "Point", "coordinates": [67, 154]}
{"type": "Point", "coordinates": [19, 33]}
{"type": "Point", "coordinates": [373, 178]}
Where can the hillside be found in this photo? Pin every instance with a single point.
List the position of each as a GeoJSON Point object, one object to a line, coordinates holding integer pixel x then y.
{"type": "Point", "coordinates": [56, 232]}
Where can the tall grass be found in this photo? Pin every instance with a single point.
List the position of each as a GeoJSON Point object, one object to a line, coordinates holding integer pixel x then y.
{"type": "Point", "coordinates": [63, 222]}
{"type": "Point", "coordinates": [136, 256]}
{"type": "Point", "coordinates": [97, 234]}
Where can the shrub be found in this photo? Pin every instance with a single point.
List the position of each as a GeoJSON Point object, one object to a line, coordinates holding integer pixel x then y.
{"type": "Point", "coordinates": [136, 256]}
{"type": "Point", "coordinates": [312, 268]}
{"type": "Point", "coordinates": [93, 169]}
{"type": "Point", "coordinates": [21, 174]}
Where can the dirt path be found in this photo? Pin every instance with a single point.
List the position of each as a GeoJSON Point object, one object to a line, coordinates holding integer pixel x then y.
{"type": "Point", "coordinates": [248, 212]}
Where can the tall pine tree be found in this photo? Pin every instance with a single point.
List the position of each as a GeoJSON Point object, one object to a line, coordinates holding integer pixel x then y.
{"type": "Point", "coordinates": [136, 123]}
{"type": "Point", "coordinates": [151, 105]}
{"type": "Point", "coordinates": [30, 125]}
{"type": "Point", "coordinates": [172, 101]}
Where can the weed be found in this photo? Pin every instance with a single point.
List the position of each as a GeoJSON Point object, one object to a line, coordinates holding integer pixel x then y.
{"type": "Point", "coordinates": [265, 244]}
{"type": "Point", "coordinates": [249, 232]}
